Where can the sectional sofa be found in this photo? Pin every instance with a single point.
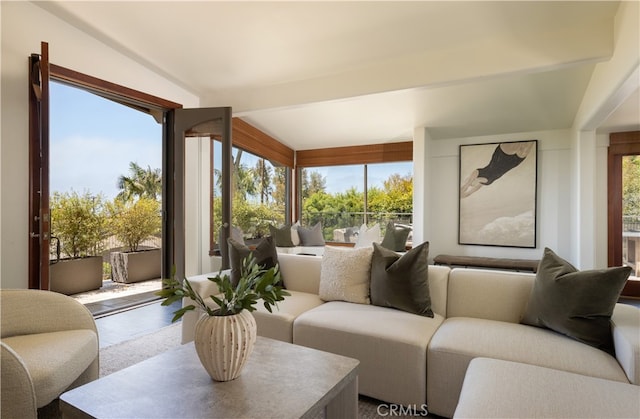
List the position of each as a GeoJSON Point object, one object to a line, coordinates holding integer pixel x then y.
{"type": "Point", "coordinates": [424, 362]}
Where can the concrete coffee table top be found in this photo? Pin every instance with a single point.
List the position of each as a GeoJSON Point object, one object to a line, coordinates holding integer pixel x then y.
{"type": "Point", "coordinates": [279, 380]}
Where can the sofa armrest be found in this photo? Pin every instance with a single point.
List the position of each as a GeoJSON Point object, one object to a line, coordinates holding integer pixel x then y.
{"type": "Point", "coordinates": [625, 327]}
{"type": "Point", "coordinates": [18, 395]}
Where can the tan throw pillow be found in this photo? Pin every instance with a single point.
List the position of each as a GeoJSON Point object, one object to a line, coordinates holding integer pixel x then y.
{"type": "Point", "coordinates": [578, 304]}
{"type": "Point", "coordinates": [345, 274]}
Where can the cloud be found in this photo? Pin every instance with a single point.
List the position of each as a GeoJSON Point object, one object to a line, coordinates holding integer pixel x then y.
{"type": "Point", "coordinates": [516, 231]}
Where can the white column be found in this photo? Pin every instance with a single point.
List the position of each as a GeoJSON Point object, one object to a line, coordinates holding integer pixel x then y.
{"type": "Point", "coordinates": [421, 184]}
{"type": "Point", "coordinates": [585, 202]}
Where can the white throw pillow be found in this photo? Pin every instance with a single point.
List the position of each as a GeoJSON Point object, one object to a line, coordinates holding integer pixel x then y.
{"type": "Point", "coordinates": [295, 237]}
{"type": "Point", "coordinates": [368, 236]}
{"type": "Point", "coordinates": [345, 274]}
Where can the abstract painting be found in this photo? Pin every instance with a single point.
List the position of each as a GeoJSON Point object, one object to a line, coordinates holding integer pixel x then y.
{"type": "Point", "coordinates": [497, 195]}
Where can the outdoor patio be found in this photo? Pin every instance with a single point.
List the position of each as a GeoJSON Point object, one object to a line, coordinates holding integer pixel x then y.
{"type": "Point", "coordinates": [115, 297]}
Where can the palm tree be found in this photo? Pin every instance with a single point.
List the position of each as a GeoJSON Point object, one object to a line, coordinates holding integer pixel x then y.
{"type": "Point", "coordinates": [264, 174]}
{"type": "Point", "coordinates": [143, 183]}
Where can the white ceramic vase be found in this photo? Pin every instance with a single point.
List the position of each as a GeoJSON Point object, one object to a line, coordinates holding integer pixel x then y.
{"type": "Point", "coordinates": [224, 343]}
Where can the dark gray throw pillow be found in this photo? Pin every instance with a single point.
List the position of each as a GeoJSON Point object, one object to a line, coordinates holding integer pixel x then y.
{"type": "Point", "coordinates": [311, 236]}
{"type": "Point", "coordinates": [395, 238]}
{"type": "Point", "coordinates": [264, 253]}
{"type": "Point", "coordinates": [401, 282]}
{"type": "Point", "coordinates": [282, 235]}
{"type": "Point", "coordinates": [578, 304]}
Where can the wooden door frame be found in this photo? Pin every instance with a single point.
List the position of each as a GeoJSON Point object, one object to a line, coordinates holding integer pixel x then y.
{"type": "Point", "coordinates": [39, 228]}
{"type": "Point", "coordinates": [620, 144]}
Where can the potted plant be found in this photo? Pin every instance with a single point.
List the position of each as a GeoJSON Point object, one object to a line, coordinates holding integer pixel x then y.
{"type": "Point", "coordinates": [226, 332]}
{"type": "Point", "coordinates": [78, 227]}
{"type": "Point", "coordinates": [132, 222]}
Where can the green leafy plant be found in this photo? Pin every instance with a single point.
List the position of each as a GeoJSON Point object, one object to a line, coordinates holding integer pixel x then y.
{"type": "Point", "coordinates": [255, 283]}
{"type": "Point", "coordinates": [133, 222]}
{"type": "Point", "coordinates": [79, 222]}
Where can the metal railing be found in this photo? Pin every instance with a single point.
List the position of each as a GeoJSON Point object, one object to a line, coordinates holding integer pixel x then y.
{"type": "Point", "coordinates": [631, 223]}
{"type": "Point", "coordinates": [342, 226]}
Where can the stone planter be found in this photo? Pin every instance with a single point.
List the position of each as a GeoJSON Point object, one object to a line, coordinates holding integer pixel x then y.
{"type": "Point", "coordinates": [224, 343]}
{"type": "Point", "coordinates": [128, 267]}
{"type": "Point", "coordinates": [73, 276]}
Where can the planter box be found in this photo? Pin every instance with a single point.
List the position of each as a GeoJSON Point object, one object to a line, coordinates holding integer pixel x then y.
{"type": "Point", "coordinates": [73, 276]}
{"type": "Point", "coordinates": [128, 267]}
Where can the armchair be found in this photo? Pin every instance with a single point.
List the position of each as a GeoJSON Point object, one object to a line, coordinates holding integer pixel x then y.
{"type": "Point", "coordinates": [49, 344]}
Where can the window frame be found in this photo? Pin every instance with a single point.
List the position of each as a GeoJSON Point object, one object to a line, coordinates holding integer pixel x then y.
{"type": "Point", "coordinates": [350, 155]}
{"type": "Point", "coordinates": [620, 144]}
{"type": "Point", "coordinates": [153, 105]}
{"type": "Point", "coordinates": [248, 138]}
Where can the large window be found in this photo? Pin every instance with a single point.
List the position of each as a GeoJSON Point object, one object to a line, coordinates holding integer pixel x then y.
{"type": "Point", "coordinates": [260, 183]}
{"type": "Point", "coordinates": [259, 192]}
{"type": "Point", "coordinates": [340, 187]}
{"type": "Point", "coordinates": [342, 198]}
{"type": "Point", "coordinates": [624, 206]}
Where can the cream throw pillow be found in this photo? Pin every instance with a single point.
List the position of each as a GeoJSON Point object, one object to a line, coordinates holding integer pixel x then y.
{"type": "Point", "coordinates": [345, 274]}
{"type": "Point", "coordinates": [368, 236]}
{"type": "Point", "coordinates": [295, 237]}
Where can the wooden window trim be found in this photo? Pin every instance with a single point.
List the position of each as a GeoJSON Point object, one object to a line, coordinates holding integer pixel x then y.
{"type": "Point", "coordinates": [364, 154]}
{"type": "Point", "coordinates": [620, 144]}
{"type": "Point", "coordinates": [126, 96]}
{"type": "Point", "coordinates": [111, 90]}
{"type": "Point", "coordinates": [251, 139]}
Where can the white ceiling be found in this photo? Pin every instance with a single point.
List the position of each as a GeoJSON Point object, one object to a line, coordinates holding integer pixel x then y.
{"type": "Point", "coordinates": [323, 74]}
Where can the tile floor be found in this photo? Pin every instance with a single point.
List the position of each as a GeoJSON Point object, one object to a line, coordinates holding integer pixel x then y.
{"type": "Point", "coordinates": [134, 322]}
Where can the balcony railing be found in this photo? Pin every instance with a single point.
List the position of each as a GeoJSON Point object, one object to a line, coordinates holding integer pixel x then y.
{"type": "Point", "coordinates": [343, 226]}
{"type": "Point", "coordinates": [631, 223]}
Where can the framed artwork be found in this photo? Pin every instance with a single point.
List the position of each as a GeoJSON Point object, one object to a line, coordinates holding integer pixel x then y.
{"type": "Point", "coordinates": [498, 193]}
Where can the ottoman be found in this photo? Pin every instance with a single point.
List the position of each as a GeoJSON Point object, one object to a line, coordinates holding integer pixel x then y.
{"type": "Point", "coordinates": [503, 389]}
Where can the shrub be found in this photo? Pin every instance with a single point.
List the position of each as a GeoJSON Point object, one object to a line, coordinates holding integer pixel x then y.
{"type": "Point", "coordinates": [79, 222]}
{"type": "Point", "coordinates": [133, 222]}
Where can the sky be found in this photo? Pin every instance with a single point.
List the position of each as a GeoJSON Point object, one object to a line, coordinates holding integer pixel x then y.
{"type": "Point", "coordinates": [93, 140]}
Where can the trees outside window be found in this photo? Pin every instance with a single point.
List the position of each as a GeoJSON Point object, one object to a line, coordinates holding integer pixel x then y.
{"type": "Point", "coordinates": [335, 196]}
{"type": "Point", "coordinates": [259, 193]}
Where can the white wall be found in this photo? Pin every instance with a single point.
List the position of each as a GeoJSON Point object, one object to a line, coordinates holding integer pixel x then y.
{"type": "Point", "coordinates": [23, 27]}
{"type": "Point", "coordinates": [441, 201]}
{"type": "Point", "coordinates": [572, 168]}
{"type": "Point", "coordinates": [437, 160]}
{"type": "Point", "coordinates": [612, 82]}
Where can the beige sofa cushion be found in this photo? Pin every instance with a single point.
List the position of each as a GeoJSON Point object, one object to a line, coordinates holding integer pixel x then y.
{"type": "Point", "coordinates": [279, 323]}
{"type": "Point", "coordinates": [55, 360]}
{"type": "Point", "coordinates": [496, 389]}
{"type": "Point", "coordinates": [486, 294]}
{"type": "Point", "coordinates": [390, 344]}
{"type": "Point", "coordinates": [459, 340]}
{"type": "Point", "coordinates": [300, 272]}
{"type": "Point", "coordinates": [625, 328]}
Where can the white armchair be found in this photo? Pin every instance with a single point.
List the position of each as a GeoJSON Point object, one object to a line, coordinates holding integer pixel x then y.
{"type": "Point", "coordinates": [49, 344]}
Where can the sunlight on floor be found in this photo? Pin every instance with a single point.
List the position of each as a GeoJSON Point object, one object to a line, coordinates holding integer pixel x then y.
{"type": "Point", "coordinates": [111, 289]}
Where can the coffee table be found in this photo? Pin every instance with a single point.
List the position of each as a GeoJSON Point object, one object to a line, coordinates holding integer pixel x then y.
{"type": "Point", "coordinates": [279, 380]}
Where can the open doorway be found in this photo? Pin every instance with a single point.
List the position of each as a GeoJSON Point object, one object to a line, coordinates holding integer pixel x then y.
{"type": "Point", "coordinates": [624, 206]}
{"type": "Point", "coordinates": [105, 198]}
